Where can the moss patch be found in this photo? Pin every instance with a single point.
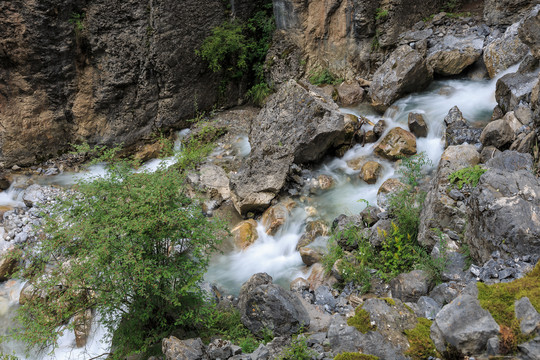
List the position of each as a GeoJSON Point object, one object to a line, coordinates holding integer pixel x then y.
{"type": "Point", "coordinates": [390, 301]}
{"type": "Point", "coordinates": [361, 321]}
{"type": "Point", "coordinates": [499, 300]}
{"type": "Point", "coordinates": [355, 356]}
{"type": "Point", "coordinates": [421, 345]}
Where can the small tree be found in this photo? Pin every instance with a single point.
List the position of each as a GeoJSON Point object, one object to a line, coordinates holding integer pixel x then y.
{"type": "Point", "coordinates": [131, 246]}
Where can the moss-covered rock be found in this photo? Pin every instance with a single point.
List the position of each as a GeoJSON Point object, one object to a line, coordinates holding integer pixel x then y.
{"type": "Point", "coordinates": [421, 345]}
{"type": "Point", "coordinates": [361, 321]}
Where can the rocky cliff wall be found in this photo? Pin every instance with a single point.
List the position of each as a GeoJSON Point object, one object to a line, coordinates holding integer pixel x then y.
{"type": "Point", "coordinates": [115, 75]}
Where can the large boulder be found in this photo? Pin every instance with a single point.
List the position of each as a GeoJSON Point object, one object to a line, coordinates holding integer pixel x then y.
{"type": "Point", "coordinates": [350, 93]}
{"type": "Point", "coordinates": [529, 31]}
{"type": "Point", "coordinates": [504, 51]}
{"type": "Point", "coordinates": [405, 71]}
{"type": "Point", "coordinates": [266, 306]}
{"type": "Point", "coordinates": [176, 349]}
{"type": "Point", "coordinates": [297, 125]}
{"type": "Point", "coordinates": [513, 88]}
{"type": "Point", "coordinates": [453, 54]}
{"type": "Point", "coordinates": [440, 210]}
{"type": "Point", "coordinates": [497, 133]}
{"type": "Point", "coordinates": [409, 287]}
{"type": "Point", "coordinates": [458, 131]}
{"type": "Point", "coordinates": [503, 209]}
{"type": "Point", "coordinates": [396, 144]}
{"type": "Point", "coordinates": [465, 325]}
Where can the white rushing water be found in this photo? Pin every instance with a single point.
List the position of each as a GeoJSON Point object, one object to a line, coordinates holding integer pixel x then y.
{"type": "Point", "coordinates": [276, 255]}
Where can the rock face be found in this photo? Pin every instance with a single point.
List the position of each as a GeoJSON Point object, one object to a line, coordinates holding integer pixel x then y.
{"type": "Point", "coordinates": [529, 31]}
{"type": "Point", "coordinates": [505, 51]}
{"type": "Point", "coordinates": [405, 71]}
{"type": "Point", "coordinates": [264, 305]}
{"type": "Point", "coordinates": [397, 143]}
{"type": "Point", "coordinates": [465, 325]}
{"type": "Point", "coordinates": [503, 209]}
{"type": "Point", "coordinates": [129, 71]}
{"type": "Point", "coordinates": [296, 126]}
{"type": "Point", "coordinates": [454, 54]}
{"type": "Point", "coordinates": [513, 88]}
{"type": "Point", "coordinates": [505, 12]}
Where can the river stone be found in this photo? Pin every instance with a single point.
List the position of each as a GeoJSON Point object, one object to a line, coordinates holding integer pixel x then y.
{"type": "Point", "coordinates": [409, 287]}
{"type": "Point", "coordinates": [350, 93]}
{"type": "Point", "coordinates": [465, 325]}
{"type": "Point", "coordinates": [34, 194]}
{"type": "Point", "coordinates": [371, 171]}
{"type": "Point", "coordinates": [440, 211]}
{"type": "Point", "coordinates": [314, 229]}
{"type": "Point", "coordinates": [529, 318]}
{"type": "Point", "coordinates": [275, 216]}
{"type": "Point", "coordinates": [387, 188]}
{"type": "Point", "coordinates": [310, 256]}
{"type": "Point", "coordinates": [396, 144]}
{"type": "Point", "coordinates": [370, 137]}
{"type": "Point", "coordinates": [245, 233]}
{"type": "Point", "coordinates": [503, 209]}
{"type": "Point", "coordinates": [405, 71]}
{"type": "Point", "coordinates": [266, 306]}
{"type": "Point", "coordinates": [514, 88]}
{"type": "Point", "coordinates": [497, 133]}
{"type": "Point", "coordinates": [214, 178]}
{"type": "Point", "coordinates": [453, 54]}
{"type": "Point", "coordinates": [417, 125]}
{"type": "Point", "coordinates": [326, 182]}
{"type": "Point", "coordinates": [379, 128]}
{"type": "Point", "coordinates": [458, 130]}
{"type": "Point", "coordinates": [529, 31]}
{"type": "Point", "coordinates": [176, 349]}
{"type": "Point", "coordinates": [295, 126]}
{"type": "Point", "coordinates": [504, 51]}
{"type": "Point", "coordinates": [299, 285]}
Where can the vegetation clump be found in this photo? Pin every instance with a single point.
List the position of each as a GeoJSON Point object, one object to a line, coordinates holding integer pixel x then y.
{"type": "Point", "coordinates": [467, 176]}
{"type": "Point", "coordinates": [355, 356]}
{"type": "Point", "coordinates": [499, 300]}
{"type": "Point", "coordinates": [323, 76]}
{"type": "Point", "coordinates": [381, 13]}
{"type": "Point", "coordinates": [421, 345]}
{"type": "Point", "coordinates": [298, 350]}
{"type": "Point", "coordinates": [361, 321]}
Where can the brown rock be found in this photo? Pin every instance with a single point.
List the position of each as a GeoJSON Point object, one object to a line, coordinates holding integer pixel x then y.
{"type": "Point", "coordinates": [350, 93]}
{"type": "Point", "coordinates": [396, 144]}
{"type": "Point", "coordinates": [504, 51]}
{"type": "Point", "coordinates": [149, 151]}
{"type": "Point", "coordinates": [318, 277]}
{"type": "Point", "coordinates": [357, 163]}
{"type": "Point", "coordinates": [310, 256]}
{"type": "Point", "coordinates": [326, 182]}
{"type": "Point", "coordinates": [83, 323]}
{"type": "Point", "coordinates": [299, 285]}
{"type": "Point", "coordinates": [8, 266]}
{"type": "Point", "coordinates": [245, 233]}
{"type": "Point", "coordinates": [371, 171]}
{"type": "Point", "coordinates": [370, 137]}
{"type": "Point", "coordinates": [417, 125]}
{"type": "Point", "coordinates": [314, 229]}
{"type": "Point", "coordinates": [276, 215]}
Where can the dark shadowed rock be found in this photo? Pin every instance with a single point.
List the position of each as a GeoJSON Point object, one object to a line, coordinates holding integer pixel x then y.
{"type": "Point", "coordinates": [264, 305]}
{"type": "Point", "coordinates": [417, 125]}
{"type": "Point", "coordinates": [513, 88]}
{"type": "Point", "coordinates": [405, 71]}
{"type": "Point", "coordinates": [529, 31]}
{"type": "Point", "coordinates": [458, 130]}
{"type": "Point", "coordinates": [296, 126]}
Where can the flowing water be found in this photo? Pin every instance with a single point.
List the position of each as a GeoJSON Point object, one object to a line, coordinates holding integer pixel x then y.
{"type": "Point", "coordinates": [276, 255]}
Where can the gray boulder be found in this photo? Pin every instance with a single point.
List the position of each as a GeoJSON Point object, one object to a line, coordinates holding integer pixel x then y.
{"type": "Point", "coordinates": [465, 325]}
{"type": "Point", "coordinates": [504, 51]}
{"type": "Point", "coordinates": [458, 131]}
{"type": "Point", "coordinates": [176, 349]}
{"type": "Point", "coordinates": [220, 349]}
{"type": "Point", "coordinates": [503, 209]}
{"type": "Point", "coordinates": [453, 54]}
{"type": "Point", "coordinates": [530, 350]}
{"type": "Point", "coordinates": [514, 88]}
{"type": "Point", "coordinates": [497, 133]}
{"type": "Point", "coordinates": [297, 125]}
{"type": "Point", "coordinates": [529, 31]}
{"type": "Point", "coordinates": [405, 71]}
{"type": "Point", "coordinates": [427, 307]}
{"type": "Point", "coordinates": [529, 318]}
{"type": "Point", "coordinates": [264, 305]}
{"type": "Point", "coordinates": [409, 287]}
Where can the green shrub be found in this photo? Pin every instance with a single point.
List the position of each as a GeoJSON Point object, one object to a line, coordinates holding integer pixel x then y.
{"type": "Point", "coordinates": [361, 321]}
{"type": "Point", "coordinates": [77, 20]}
{"type": "Point", "coordinates": [421, 345]}
{"type": "Point", "coordinates": [355, 356]}
{"type": "Point", "coordinates": [381, 14]}
{"type": "Point", "coordinates": [298, 350]}
{"type": "Point", "coordinates": [258, 93]}
{"type": "Point", "coordinates": [467, 176]}
{"type": "Point", "coordinates": [323, 76]}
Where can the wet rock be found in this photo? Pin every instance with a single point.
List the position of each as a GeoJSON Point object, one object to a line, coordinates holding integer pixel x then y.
{"type": "Point", "coordinates": [296, 126]}
{"type": "Point", "coordinates": [264, 305]}
{"type": "Point", "coordinates": [465, 325]}
{"type": "Point", "coordinates": [504, 51]}
{"type": "Point", "coordinates": [396, 144]}
{"type": "Point", "coordinates": [8, 265]}
{"type": "Point", "coordinates": [310, 256]}
{"type": "Point", "coordinates": [370, 172]}
{"type": "Point", "coordinates": [387, 188]}
{"type": "Point", "coordinates": [350, 93]}
{"type": "Point", "coordinates": [503, 208]}
{"type": "Point", "coordinates": [356, 163]}
{"type": "Point", "coordinates": [176, 349]}
{"type": "Point", "coordinates": [440, 211]}
{"type": "Point", "coordinates": [417, 125]}
{"type": "Point", "coordinates": [4, 182]}
{"type": "Point", "coordinates": [275, 216]}
{"type": "Point", "coordinates": [314, 229]}
{"type": "Point", "coordinates": [497, 133]}
{"type": "Point", "coordinates": [529, 318]}
{"type": "Point", "coordinates": [514, 88]}
{"type": "Point", "coordinates": [409, 287]}
{"type": "Point", "coordinates": [245, 233]}
{"type": "Point", "coordinates": [82, 326]}
{"type": "Point", "coordinates": [453, 54]}
{"type": "Point", "coordinates": [379, 128]}
{"type": "Point", "coordinates": [370, 137]}
{"type": "Point", "coordinates": [326, 182]}
{"type": "Point", "coordinates": [529, 31]}
{"type": "Point", "coordinates": [458, 130]}
{"type": "Point", "coordinates": [405, 71]}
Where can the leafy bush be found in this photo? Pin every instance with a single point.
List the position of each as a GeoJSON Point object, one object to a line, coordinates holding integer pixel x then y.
{"type": "Point", "coordinates": [323, 76]}
{"type": "Point", "coordinates": [421, 345]}
{"type": "Point", "coordinates": [258, 93]}
{"type": "Point", "coordinates": [132, 246]}
{"type": "Point", "coordinates": [381, 13]}
{"type": "Point", "coordinates": [467, 176]}
{"type": "Point", "coordinates": [298, 350]}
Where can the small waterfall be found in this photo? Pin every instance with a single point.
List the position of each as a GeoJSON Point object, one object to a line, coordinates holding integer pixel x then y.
{"type": "Point", "coordinates": [233, 9]}
{"type": "Point", "coordinates": [284, 15]}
